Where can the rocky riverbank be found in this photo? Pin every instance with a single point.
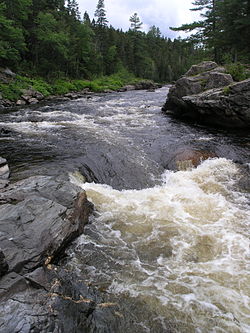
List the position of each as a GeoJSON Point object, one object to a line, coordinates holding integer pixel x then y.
{"type": "Point", "coordinates": [207, 94]}
{"type": "Point", "coordinates": [39, 217]}
{"type": "Point", "coordinates": [26, 91]}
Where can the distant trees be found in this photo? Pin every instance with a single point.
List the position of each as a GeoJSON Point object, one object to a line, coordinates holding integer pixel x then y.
{"type": "Point", "coordinates": [135, 22]}
{"type": "Point", "coordinates": [224, 28]}
{"type": "Point", "coordinates": [49, 38]}
{"type": "Point", "coordinates": [100, 13]}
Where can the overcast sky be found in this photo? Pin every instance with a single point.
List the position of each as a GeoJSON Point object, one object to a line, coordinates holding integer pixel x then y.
{"type": "Point", "coordinates": [162, 13]}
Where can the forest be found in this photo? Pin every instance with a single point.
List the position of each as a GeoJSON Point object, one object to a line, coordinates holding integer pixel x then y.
{"type": "Point", "coordinates": [52, 39]}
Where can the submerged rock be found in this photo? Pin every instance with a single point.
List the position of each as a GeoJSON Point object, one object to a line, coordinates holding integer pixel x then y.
{"type": "Point", "coordinates": [188, 158]}
{"type": "Point", "coordinates": [208, 95]}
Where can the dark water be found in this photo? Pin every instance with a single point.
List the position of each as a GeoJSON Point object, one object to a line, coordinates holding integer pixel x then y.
{"type": "Point", "coordinates": [121, 139]}
{"type": "Point", "coordinates": [173, 245]}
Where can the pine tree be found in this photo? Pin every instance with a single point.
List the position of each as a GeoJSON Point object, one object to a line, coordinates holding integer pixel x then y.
{"type": "Point", "coordinates": [86, 18]}
{"type": "Point", "coordinates": [207, 30]}
{"type": "Point", "coordinates": [135, 22]}
{"type": "Point", "coordinates": [12, 43]}
{"type": "Point", "coordinates": [100, 13]}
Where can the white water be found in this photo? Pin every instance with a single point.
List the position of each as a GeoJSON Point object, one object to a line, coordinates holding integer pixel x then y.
{"type": "Point", "coordinates": [182, 247]}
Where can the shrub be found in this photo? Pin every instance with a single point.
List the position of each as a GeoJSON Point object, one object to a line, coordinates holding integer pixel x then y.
{"type": "Point", "coordinates": [237, 70]}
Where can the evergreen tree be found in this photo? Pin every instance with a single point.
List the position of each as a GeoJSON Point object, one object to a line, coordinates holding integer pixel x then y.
{"type": "Point", "coordinates": [100, 13]}
{"type": "Point", "coordinates": [135, 22]}
{"type": "Point", "coordinates": [86, 19]}
{"type": "Point", "coordinates": [12, 43]}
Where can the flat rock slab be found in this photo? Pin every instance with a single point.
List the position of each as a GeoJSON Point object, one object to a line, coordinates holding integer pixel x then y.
{"type": "Point", "coordinates": [38, 219]}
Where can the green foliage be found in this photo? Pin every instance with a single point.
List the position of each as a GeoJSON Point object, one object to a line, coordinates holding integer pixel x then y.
{"type": "Point", "coordinates": [47, 39]}
{"type": "Point", "coordinates": [224, 29]}
{"type": "Point", "coordinates": [13, 90]}
{"type": "Point", "coordinates": [226, 90]}
{"type": "Point", "coordinates": [238, 71]}
{"type": "Point", "coordinates": [61, 87]}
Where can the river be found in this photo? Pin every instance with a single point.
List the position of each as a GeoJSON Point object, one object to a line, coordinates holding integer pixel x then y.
{"type": "Point", "coordinates": [172, 245]}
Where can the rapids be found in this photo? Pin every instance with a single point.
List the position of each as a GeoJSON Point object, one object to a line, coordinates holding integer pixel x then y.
{"type": "Point", "coordinates": [176, 241]}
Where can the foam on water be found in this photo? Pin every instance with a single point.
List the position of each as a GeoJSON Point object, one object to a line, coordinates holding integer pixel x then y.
{"type": "Point", "coordinates": [183, 245]}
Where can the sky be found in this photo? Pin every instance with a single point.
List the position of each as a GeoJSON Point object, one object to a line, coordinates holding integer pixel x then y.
{"type": "Point", "coordinates": [161, 13]}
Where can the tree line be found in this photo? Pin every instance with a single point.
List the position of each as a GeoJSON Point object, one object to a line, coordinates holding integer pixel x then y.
{"type": "Point", "coordinates": [49, 38]}
{"type": "Point", "coordinates": [224, 29]}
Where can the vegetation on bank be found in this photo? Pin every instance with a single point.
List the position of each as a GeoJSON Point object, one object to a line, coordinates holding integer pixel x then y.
{"type": "Point", "coordinates": [14, 88]}
{"type": "Point", "coordinates": [51, 39]}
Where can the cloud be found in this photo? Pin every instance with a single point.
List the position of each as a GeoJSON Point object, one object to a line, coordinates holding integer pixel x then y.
{"type": "Point", "coordinates": [161, 13]}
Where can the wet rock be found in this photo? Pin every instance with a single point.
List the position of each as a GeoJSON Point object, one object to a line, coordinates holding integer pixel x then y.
{"type": "Point", "coordinates": [188, 158]}
{"type": "Point", "coordinates": [42, 222]}
{"type": "Point", "coordinates": [5, 103]}
{"type": "Point", "coordinates": [145, 85]}
{"type": "Point", "coordinates": [4, 173]}
{"type": "Point", "coordinates": [210, 96]}
{"type": "Point", "coordinates": [3, 264]}
{"type": "Point", "coordinates": [129, 87]}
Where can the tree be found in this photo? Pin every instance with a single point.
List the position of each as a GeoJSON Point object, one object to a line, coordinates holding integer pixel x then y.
{"type": "Point", "coordinates": [73, 9]}
{"type": "Point", "coordinates": [135, 22]}
{"type": "Point", "coordinates": [154, 32]}
{"type": "Point", "coordinates": [86, 19]}
{"type": "Point", "coordinates": [100, 13]}
{"type": "Point", "coordinates": [12, 43]}
{"type": "Point", "coordinates": [207, 30]}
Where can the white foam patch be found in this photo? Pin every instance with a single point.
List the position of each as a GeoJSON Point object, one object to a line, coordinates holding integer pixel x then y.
{"type": "Point", "coordinates": [189, 242]}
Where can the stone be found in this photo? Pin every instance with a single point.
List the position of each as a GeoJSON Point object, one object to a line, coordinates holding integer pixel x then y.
{"type": "Point", "coordinates": [8, 72]}
{"type": "Point", "coordinates": [129, 87]}
{"type": "Point", "coordinates": [52, 209]}
{"type": "Point", "coordinates": [3, 161]}
{"type": "Point", "coordinates": [20, 102]}
{"type": "Point", "coordinates": [189, 158]}
{"type": "Point", "coordinates": [33, 100]}
{"type": "Point", "coordinates": [4, 173]}
{"type": "Point", "coordinates": [208, 95]}
{"type": "Point", "coordinates": [201, 68]}
{"type": "Point", "coordinates": [3, 264]}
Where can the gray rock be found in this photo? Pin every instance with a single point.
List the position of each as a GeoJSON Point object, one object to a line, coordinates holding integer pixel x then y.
{"type": "Point", "coordinates": [33, 100]}
{"type": "Point", "coordinates": [210, 97]}
{"type": "Point", "coordinates": [3, 161]}
{"type": "Point", "coordinates": [8, 72]}
{"type": "Point", "coordinates": [20, 102]}
{"type": "Point", "coordinates": [3, 264]}
{"type": "Point", "coordinates": [36, 227]}
{"type": "Point", "coordinates": [4, 173]}
{"type": "Point", "coordinates": [201, 68]}
{"type": "Point", "coordinates": [129, 87]}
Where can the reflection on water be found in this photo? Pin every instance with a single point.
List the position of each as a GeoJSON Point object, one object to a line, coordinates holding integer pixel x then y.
{"type": "Point", "coordinates": [182, 246]}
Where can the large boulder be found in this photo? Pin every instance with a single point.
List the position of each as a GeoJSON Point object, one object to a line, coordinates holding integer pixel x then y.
{"type": "Point", "coordinates": [39, 217]}
{"type": "Point", "coordinates": [207, 94]}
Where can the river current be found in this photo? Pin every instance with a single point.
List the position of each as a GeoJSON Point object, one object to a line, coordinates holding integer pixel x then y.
{"type": "Point", "coordinates": [173, 242]}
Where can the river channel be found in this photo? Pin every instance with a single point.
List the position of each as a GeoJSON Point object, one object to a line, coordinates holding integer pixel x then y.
{"type": "Point", "coordinates": [176, 241]}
